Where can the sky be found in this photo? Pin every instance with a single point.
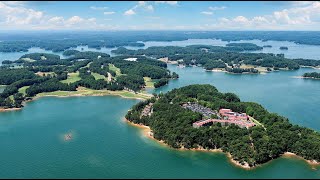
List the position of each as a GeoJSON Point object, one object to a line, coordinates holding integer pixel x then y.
{"type": "Point", "coordinates": [160, 15]}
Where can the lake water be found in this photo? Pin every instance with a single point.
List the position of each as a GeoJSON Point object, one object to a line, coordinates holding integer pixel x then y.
{"type": "Point", "coordinates": [104, 146]}
{"type": "Point", "coordinates": [279, 92]}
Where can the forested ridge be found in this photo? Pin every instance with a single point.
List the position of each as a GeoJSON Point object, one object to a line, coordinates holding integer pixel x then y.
{"type": "Point", "coordinates": [257, 145]}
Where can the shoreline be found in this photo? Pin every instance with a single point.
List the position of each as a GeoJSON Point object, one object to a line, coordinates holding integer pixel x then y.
{"type": "Point", "coordinates": [301, 77]}
{"type": "Point", "coordinates": [106, 93]}
{"type": "Point", "coordinates": [146, 131]}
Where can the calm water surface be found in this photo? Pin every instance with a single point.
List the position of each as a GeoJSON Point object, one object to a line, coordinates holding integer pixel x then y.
{"type": "Point", "coordinates": [104, 146]}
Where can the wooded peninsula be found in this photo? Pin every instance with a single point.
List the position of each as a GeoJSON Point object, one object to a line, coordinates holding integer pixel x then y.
{"type": "Point", "coordinates": [37, 73]}
{"type": "Point", "coordinates": [270, 137]}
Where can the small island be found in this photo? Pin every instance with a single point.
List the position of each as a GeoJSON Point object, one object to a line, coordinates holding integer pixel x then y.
{"type": "Point", "coordinates": [283, 48]}
{"type": "Point", "coordinates": [312, 75]}
{"type": "Point", "coordinates": [199, 117]}
{"type": "Point", "coordinates": [267, 46]}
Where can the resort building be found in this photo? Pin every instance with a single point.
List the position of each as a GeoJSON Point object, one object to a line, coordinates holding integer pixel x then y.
{"type": "Point", "coordinates": [233, 116]}
{"type": "Point", "coordinates": [225, 117]}
{"type": "Point", "coordinates": [209, 122]}
{"type": "Point", "coordinates": [147, 111]}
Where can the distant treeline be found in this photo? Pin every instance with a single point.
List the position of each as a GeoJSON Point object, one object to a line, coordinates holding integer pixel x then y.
{"type": "Point", "coordinates": [219, 57]}
{"type": "Point", "coordinates": [58, 42]}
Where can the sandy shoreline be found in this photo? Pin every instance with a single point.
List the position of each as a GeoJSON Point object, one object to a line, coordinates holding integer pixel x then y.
{"type": "Point", "coordinates": [65, 96]}
{"type": "Point", "coordinates": [310, 162]}
{"type": "Point", "coordinates": [147, 132]}
{"type": "Point", "coordinates": [301, 77]}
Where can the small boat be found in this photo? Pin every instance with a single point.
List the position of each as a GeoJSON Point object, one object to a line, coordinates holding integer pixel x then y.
{"type": "Point", "coordinates": [68, 137]}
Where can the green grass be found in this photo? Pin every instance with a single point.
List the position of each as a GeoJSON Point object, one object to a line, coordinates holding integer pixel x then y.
{"type": "Point", "coordinates": [72, 77]}
{"type": "Point", "coordinates": [23, 90]}
{"type": "Point", "coordinates": [28, 59]}
{"type": "Point", "coordinates": [115, 69]}
{"type": "Point", "coordinates": [98, 76]}
{"type": "Point", "coordinates": [91, 92]}
{"type": "Point", "coordinates": [149, 82]}
{"type": "Point", "coordinates": [256, 122]}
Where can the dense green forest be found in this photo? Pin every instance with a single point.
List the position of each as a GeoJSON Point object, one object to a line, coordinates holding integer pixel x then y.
{"type": "Point", "coordinates": [60, 41]}
{"type": "Point", "coordinates": [43, 72]}
{"type": "Point", "coordinates": [314, 75]}
{"type": "Point", "coordinates": [230, 58]}
{"type": "Point", "coordinates": [256, 145]}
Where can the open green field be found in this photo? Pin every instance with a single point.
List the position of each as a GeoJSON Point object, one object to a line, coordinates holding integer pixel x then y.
{"type": "Point", "coordinates": [28, 59]}
{"type": "Point", "coordinates": [91, 92]}
{"type": "Point", "coordinates": [72, 77]}
{"type": "Point", "coordinates": [23, 90]}
{"type": "Point", "coordinates": [98, 76]}
{"type": "Point", "coordinates": [149, 82]}
{"type": "Point", "coordinates": [115, 69]}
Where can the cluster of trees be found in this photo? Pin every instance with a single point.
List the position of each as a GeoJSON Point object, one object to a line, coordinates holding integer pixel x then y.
{"type": "Point", "coordinates": [283, 48]}
{"type": "Point", "coordinates": [245, 46]}
{"type": "Point", "coordinates": [173, 124]}
{"type": "Point", "coordinates": [161, 82]}
{"type": "Point", "coordinates": [312, 75]}
{"type": "Point", "coordinates": [41, 56]}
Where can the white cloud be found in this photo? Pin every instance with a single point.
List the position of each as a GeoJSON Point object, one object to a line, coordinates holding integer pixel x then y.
{"type": "Point", "coordinates": [301, 3]}
{"type": "Point", "coordinates": [129, 12]}
{"type": "Point", "coordinates": [14, 3]}
{"type": "Point", "coordinates": [167, 2]}
{"type": "Point", "coordinates": [108, 13]}
{"type": "Point", "coordinates": [207, 12]}
{"type": "Point", "coordinates": [98, 8]}
{"type": "Point", "coordinates": [149, 8]}
{"type": "Point", "coordinates": [217, 8]}
{"type": "Point", "coordinates": [306, 17]}
{"type": "Point", "coordinates": [19, 15]}
{"type": "Point", "coordinates": [141, 4]}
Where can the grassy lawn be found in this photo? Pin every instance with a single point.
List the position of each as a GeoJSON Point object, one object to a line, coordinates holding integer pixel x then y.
{"type": "Point", "coordinates": [28, 59]}
{"type": "Point", "coordinates": [72, 77]}
{"type": "Point", "coordinates": [44, 73]}
{"type": "Point", "coordinates": [115, 69]}
{"type": "Point", "coordinates": [149, 82]}
{"type": "Point", "coordinates": [255, 121]}
{"type": "Point", "coordinates": [90, 92]}
{"type": "Point", "coordinates": [23, 90]}
{"type": "Point", "coordinates": [98, 76]}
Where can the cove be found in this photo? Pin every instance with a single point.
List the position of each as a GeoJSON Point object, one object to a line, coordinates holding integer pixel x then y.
{"type": "Point", "coordinates": [105, 146]}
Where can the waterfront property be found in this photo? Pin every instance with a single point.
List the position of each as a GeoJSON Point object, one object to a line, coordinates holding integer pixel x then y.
{"type": "Point", "coordinates": [148, 110]}
{"type": "Point", "coordinates": [224, 117]}
{"type": "Point", "coordinates": [206, 112]}
{"type": "Point", "coordinates": [209, 122]}
{"type": "Point", "coordinates": [233, 116]}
